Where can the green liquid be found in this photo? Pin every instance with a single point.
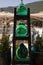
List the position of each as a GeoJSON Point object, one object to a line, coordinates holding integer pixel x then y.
{"type": "Point", "coordinates": [21, 30]}
{"type": "Point", "coordinates": [21, 10]}
{"type": "Point", "coordinates": [22, 53]}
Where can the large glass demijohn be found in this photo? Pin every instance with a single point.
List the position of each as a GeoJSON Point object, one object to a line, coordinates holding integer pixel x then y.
{"type": "Point", "coordinates": [21, 30]}
{"type": "Point", "coordinates": [21, 52]}
{"type": "Point", "coordinates": [21, 9]}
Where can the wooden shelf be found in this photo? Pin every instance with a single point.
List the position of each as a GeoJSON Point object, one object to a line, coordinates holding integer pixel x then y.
{"type": "Point", "coordinates": [20, 17]}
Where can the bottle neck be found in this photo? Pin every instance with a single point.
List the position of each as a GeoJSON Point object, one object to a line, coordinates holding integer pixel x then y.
{"type": "Point", "coordinates": [21, 1]}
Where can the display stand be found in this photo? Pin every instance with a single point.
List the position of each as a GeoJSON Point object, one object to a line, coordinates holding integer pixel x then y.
{"type": "Point", "coordinates": [22, 17]}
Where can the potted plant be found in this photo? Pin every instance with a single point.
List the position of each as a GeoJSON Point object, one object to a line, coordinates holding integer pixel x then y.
{"type": "Point", "coordinates": [1, 60]}
{"type": "Point", "coordinates": [38, 54]}
{"type": "Point", "coordinates": [38, 43]}
{"type": "Point", "coordinates": [6, 54]}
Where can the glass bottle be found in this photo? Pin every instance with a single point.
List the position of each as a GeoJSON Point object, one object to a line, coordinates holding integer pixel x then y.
{"type": "Point", "coordinates": [21, 9]}
{"type": "Point", "coordinates": [22, 52]}
{"type": "Point", "coordinates": [21, 30]}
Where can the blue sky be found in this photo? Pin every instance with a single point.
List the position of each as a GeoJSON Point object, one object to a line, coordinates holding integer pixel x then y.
{"type": "Point", "coordinates": [6, 3]}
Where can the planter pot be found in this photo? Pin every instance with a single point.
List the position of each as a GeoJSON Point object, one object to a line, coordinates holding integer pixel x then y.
{"type": "Point", "coordinates": [37, 58]}
{"type": "Point", "coordinates": [34, 57]}
{"type": "Point", "coordinates": [1, 59]}
{"type": "Point", "coordinates": [6, 57]}
{"type": "Point", "coordinates": [41, 50]}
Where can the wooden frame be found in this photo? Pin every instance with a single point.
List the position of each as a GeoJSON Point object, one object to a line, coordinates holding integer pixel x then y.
{"type": "Point", "coordinates": [24, 17]}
